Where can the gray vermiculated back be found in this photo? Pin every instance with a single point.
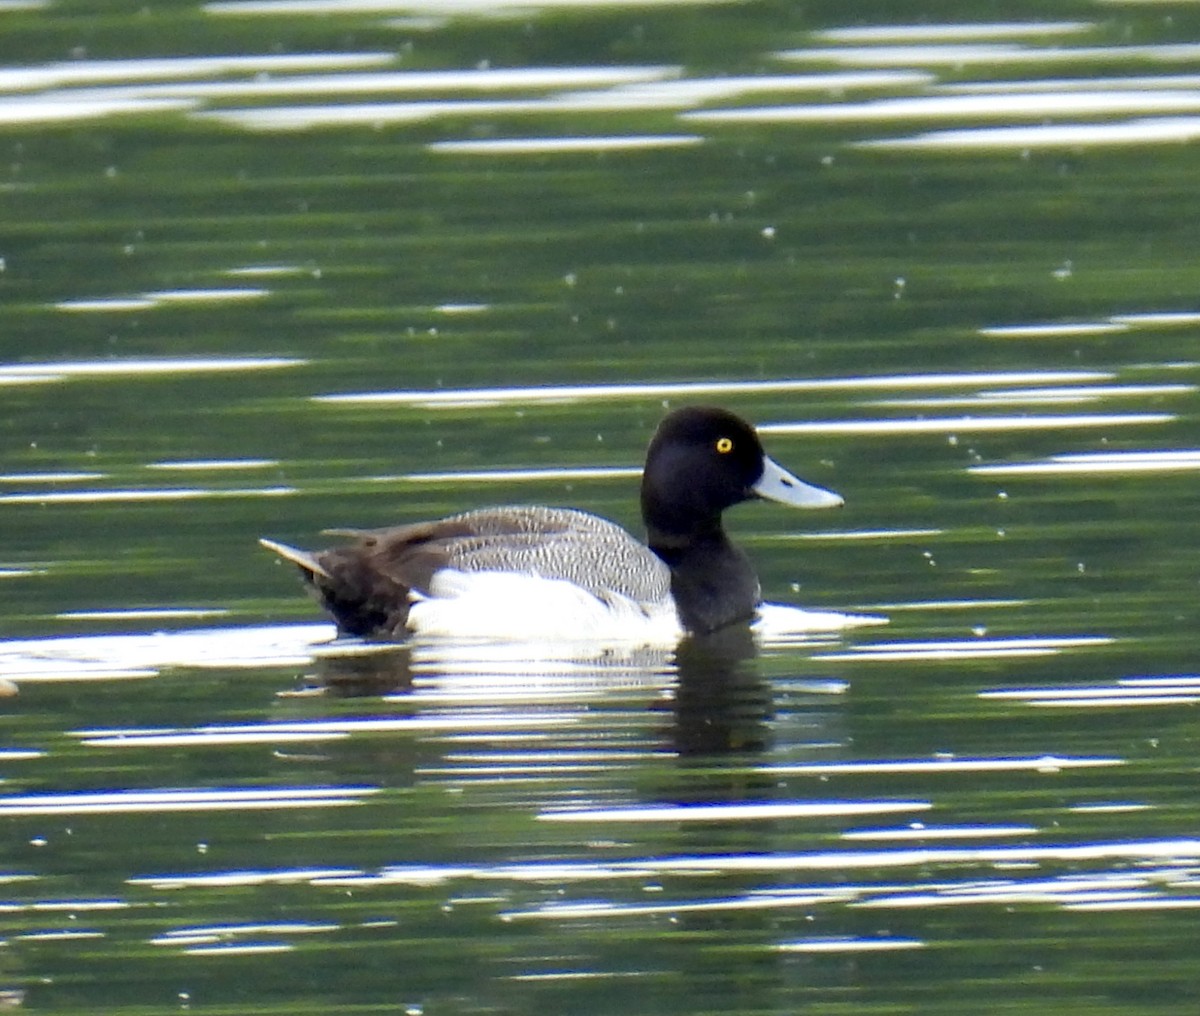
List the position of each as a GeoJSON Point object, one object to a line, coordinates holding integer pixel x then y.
{"type": "Point", "coordinates": [560, 543]}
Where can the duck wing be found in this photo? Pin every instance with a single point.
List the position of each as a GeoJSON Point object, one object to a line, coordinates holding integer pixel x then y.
{"type": "Point", "coordinates": [557, 543]}
{"type": "Point", "coordinates": [370, 583]}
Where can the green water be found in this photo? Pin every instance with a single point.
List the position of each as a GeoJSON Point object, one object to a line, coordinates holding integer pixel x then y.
{"type": "Point", "coordinates": [985, 806]}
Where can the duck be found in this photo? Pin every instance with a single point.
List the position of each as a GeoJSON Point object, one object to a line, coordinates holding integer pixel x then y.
{"type": "Point", "coordinates": [538, 572]}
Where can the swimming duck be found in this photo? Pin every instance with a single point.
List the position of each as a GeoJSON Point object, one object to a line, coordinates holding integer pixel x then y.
{"type": "Point", "coordinates": [536, 572]}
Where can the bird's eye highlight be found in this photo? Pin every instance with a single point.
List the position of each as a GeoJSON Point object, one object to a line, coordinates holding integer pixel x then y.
{"type": "Point", "coordinates": [724, 445]}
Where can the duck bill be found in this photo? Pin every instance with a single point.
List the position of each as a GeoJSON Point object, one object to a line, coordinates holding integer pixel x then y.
{"type": "Point", "coordinates": [777, 484]}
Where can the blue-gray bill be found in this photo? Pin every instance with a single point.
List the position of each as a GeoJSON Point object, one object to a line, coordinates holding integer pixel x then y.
{"type": "Point", "coordinates": [777, 484]}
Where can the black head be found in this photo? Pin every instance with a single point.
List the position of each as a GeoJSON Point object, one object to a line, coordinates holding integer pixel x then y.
{"type": "Point", "coordinates": [700, 462]}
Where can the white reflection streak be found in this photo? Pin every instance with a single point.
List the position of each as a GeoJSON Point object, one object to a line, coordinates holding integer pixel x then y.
{"type": "Point", "coordinates": [1102, 890]}
{"type": "Point", "coordinates": [985, 53]}
{"type": "Point", "coordinates": [956, 32]}
{"type": "Point", "coordinates": [142, 655]}
{"type": "Point", "coordinates": [149, 614]}
{"type": "Point", "coordinates": [1117, 701]}
{"type": "Point", "coordinates": [964, 652]}
{"type": "Point", "coordinates": [854, 534]}
{"type": "Point", "coordinates": [967, 424]}
{"type": "Point", "coordinates": [63, 477]}
{"type": "Point", "coordinates": [1105, 808]}
{"type": "Point", "coordinates": [462, 308]}
{"type": "Point", "coordinates": [283, 118]}
{"type": "Point", "coordinates": [538, 146]}
{"type": "Point", "coordinates": [130, 368]}
{"type": "Point", "coordinates": [1035, 642]}
{"type": "Point", "coordinates": [82, 72]}
{"type": "Point", "coordinates": [1102, 84]}
{"type": "Point", "coordinates": [418, 875]}
{"type": "Point", "coordinates": [1075, 885]}
{"type": "Point", "coordinates": [131, 495]}
{"type": "Point", "coordinates": [1097, 697]}
{"type": "Point", "coordinates": [286, 876]}
{"type": "Point", "coordinates": [249, 949]}
{"type": "Point", "coordinates": [106, 304]}
{"type": "Point", "coordinates": [206, 295]}
{"type": "Point", "coordinates": [139, 739]}
{"type": "Point", "coordinates": [1185, 850]}
{"type": "Point", "coordinates": [850, 945]}
{"type": "Point", "coordinates": [70, 906]}
{"type": "Point", "coordinates": [563, 911]}
{"type": "Point", "coordinates": [509, 475]}
{"type": "Point", "coordinates": [268, 271]}
{"type": "Point", "coordinates": [514, 772]}
{"type": "Point", "coordinates": [215, 932]}
{"type": "Point", "coordinates": [49, 109]}
{"type": "Point", "coordinates": [130, 801]}
{"type": "Point", "coordinates": [433, 398]}
{"type": "Point", "coordinates": [579, 975]}
{"type": "Point", "coordinates": [1184, 460]}
{"type": "Point", "coordinates": [75, 671]}
{"type": "Point", "coordinates": [923, 832]}
{"type": "Point", "coordinates": [1023, 106]}
{"type": "Point", "coordinates": [1142, 131]}
{"type": "Point", "coordinates": [993, 896]}
{"type": "Point", "coordinates": [470, 80]}
{"type": "Point", "coordinates": [206, 464]}
{"type": "Point", "coordinates": [1035, 396]}
{"type": "Point", "coordinates": [1158, 319]}
{"type": "Point", "coordinates": [148, 300]}
{"type": "Point", "coordinates": [430, 875]}
{"type": "Point", "coordinates": [734, 812]}
{"type": "Point", "coordinates": [1168, 681]}
{"type": "Point", "coordinates": [686, 92]}
{"type": "Point", "coordinates": [1172, 852]}
{"type": "Point", "coordinates": [19, 754]}
{"type": "Point", "coordinates": [1068, 329]}
{"type": "Point", "coordinates": [8, 878]}
{"type": "Point", "coordinates": [311, 730]}
{"type": "Point", "coordinates": [547, 757]}
{"type": "Point", "coordinates": [1147, 903]}
{"type": "Point", "coordinates": [1038, 763]}
{"type": "Point", "coordinates": [30, 379]}
{"type": "Point", "coordinates": [444, 8]}
{"type": "Point", "coordinates": [966, 648]}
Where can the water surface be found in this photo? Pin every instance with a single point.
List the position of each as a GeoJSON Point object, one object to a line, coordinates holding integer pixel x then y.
{"type": "Point", "coordinates": [274, 267]}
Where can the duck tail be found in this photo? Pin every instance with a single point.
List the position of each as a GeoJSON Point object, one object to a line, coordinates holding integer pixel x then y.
{"type": "Point", "coordinates": [306, 561]}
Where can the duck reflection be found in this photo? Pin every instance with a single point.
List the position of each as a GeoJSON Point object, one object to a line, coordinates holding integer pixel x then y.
{"type": "Point", "coordinates": [722, 704]}
{"type": "Point", "coordinates": [341, 674]}
{"type": "Point", "coordinates": [709, 685]}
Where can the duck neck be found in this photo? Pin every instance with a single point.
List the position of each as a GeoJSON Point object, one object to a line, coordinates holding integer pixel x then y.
{"type": "Point", "coordinates": [712, 582]}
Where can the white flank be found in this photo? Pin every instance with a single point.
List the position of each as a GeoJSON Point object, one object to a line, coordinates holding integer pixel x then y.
{"type": "Point", "coordinates": [515, 606]}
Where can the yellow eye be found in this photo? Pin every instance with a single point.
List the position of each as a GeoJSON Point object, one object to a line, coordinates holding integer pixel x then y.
{"type": "Point", "coordinates": [724, 445]}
